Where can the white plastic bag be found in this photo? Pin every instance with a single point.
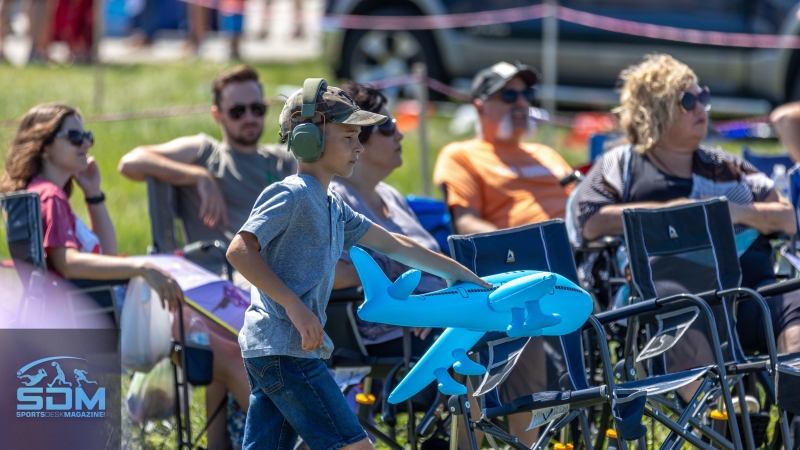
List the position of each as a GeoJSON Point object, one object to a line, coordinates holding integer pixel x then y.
{"type": "Point", "coordinates": [151, 395]}
{"type": "Point", "coordinates": [145, 328]}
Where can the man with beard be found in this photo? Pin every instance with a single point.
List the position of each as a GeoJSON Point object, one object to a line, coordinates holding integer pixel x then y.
{"type": "Point", "coordinates": [496, 181]}
{"type": "Point", "coordinates": [220, 180]}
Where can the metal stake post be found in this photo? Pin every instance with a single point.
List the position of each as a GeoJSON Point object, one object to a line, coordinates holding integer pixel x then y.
{"type": "Point", "coordinates": [550, 65]}
{"type": "Point", "coordinates": [421, 71]}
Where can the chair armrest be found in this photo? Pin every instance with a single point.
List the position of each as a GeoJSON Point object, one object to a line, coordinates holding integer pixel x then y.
{"type": "Point", "coordinates": [605, 242]}
{"type": "Point", "coordinates": [576, 175]}
{"type": "Point", "coordinates": [92, 284]}
{"type": "Point", "coordinates": [204, 246]}
{"type": "Point", "coordinates": [779, 236]}
{"type": "Point", "coordinates": [352, 294]}
{"type": "Point", "coordinates": [783, 287]}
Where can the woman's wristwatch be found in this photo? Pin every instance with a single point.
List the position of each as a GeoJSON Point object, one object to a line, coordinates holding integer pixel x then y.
{"type": "Point", "coordinates": [96, 200]}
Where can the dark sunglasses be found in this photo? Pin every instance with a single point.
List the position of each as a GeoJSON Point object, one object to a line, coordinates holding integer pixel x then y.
{"type": "Point", "coordinates": [258, 110]}
{"type": "Point", "coordinates": [689, 100]}
{"type": "Point", "coordinates": [511, 96]}
{"type": "Point", "coordinates": [76, 137]}
{"type": "Point", "coordinates": [387, 128]}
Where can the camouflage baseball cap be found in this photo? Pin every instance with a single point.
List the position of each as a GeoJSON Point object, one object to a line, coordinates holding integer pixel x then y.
{"type": "Point", "coordinates": [332, 103]}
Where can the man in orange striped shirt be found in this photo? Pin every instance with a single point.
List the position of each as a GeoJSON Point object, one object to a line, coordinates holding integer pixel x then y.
{"type": "Point", "coordinates": [496, 181]}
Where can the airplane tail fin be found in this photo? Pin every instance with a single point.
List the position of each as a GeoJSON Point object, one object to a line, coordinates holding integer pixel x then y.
{"type": "Point", "coordinates": [372, 277]}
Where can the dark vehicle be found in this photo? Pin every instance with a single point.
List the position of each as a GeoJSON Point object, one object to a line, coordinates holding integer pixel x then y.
{"type": "Point", "coordinates": [589, 59]}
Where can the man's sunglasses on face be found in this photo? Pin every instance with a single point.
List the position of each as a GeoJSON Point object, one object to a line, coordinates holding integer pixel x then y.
{"type": "Point", "coordinates": [511, 95]}
{"type": "Point", "coordinates": [237, 111]}
{"type": "Point", "coordinates": [77, 137]}
{"type": "Point", "coordinates": [689, 100]}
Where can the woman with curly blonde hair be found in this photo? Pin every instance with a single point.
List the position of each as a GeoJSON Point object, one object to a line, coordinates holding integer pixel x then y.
{"type": "Point", "coordinates": [664, 114]}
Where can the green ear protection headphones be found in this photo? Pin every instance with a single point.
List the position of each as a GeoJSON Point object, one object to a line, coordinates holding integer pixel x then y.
{"type": "Point", "coordinates": [307, 140]}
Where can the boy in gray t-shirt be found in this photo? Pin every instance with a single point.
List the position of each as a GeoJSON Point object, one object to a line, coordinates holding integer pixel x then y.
{"type": "Point", "coordinates": [288, 249]}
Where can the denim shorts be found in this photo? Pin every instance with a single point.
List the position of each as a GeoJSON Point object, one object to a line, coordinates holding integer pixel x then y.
{"type": "Point", "coordinates": [291, 396]}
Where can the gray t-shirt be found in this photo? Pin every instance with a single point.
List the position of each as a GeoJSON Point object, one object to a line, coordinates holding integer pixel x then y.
{"type": "Point", "coordinates": [241, 177]}
{"type": "Point", "coordinates": [401, 220]}
{"type": "Point", "coordinates": [302, 230]}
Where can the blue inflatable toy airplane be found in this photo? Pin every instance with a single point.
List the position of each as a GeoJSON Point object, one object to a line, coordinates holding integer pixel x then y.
{"type": "Point", "coordinates": [521, 303]}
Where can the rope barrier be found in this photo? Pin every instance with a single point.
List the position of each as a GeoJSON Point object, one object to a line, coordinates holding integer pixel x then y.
{"type": "Point", "coordinates": [174, 111]}
{"type": "Point", "coordinates": [677, 34]}
{"type": "Point", "coordinates": [748, 127]}
{"type": "Point", "coordinates": [132, 115]}
{"type": "Point", "coordinates": [534, 12]}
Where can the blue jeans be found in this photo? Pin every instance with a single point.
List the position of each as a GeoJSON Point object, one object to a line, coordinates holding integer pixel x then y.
{"type": "Point", "coordinates": [291, 396]}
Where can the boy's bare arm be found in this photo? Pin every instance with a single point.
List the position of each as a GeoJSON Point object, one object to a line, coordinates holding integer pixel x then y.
{"type": "Point", "coordinates": [407, 251]}
{"type": "Point", "coordinates": [244, 255]}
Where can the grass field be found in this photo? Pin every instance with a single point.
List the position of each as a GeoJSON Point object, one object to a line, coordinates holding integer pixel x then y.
{"type": "Point", "coordinates": [138, 88]}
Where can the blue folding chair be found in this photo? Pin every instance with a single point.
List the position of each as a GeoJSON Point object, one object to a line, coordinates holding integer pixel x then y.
{"type": "Point", "coordinates": [22, 218]}
{"type": "Point", "coordinates": [434, 217]}
{"type": "Point", "coordinates": [691, 248]}
{"type": "Point", "coordinates": [543, 246]}
{"type": "Point", "coordinates": [765, 163]}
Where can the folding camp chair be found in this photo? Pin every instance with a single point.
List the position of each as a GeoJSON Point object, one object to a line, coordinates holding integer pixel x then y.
{"type": "Point", "coordinates": [765, 163]}
{"type": "Point", "coordinates": [691, 248]}
{"type": "Point", "coordinates": [350, 352]}
{"type": "Point", "coordinates": [543, 246]}
{"type": "Point", "coordinates": [22, 217]}
{"type": "Point", "coordinates": [434, 217]}
{"type": "Point", "coordinates": [167, 204]}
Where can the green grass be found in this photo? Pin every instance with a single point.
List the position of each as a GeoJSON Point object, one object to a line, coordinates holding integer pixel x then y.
{"type": "Point", "coordinates": [147, 87]}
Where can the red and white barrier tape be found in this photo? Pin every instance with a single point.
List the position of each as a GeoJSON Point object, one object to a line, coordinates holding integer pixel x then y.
{"type": "Point", "coordinates": [533, 12]}
{"type": "Point", "coordinates": [436, 21]}
{"type": "Point", "coordinates": [677, 34]}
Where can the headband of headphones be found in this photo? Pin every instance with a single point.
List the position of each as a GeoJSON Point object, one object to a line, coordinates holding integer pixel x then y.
{"type": "Point", "coordinates": [311, 88]}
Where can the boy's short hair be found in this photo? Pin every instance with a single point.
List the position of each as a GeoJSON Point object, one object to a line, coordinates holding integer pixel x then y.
{"type": "Point", "coordinates": [333, 106]}
{"type": "Point", "coordinates": [238, 74]}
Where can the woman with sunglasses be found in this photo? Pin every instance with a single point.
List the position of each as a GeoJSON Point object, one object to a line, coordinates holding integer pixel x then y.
{"type": "Point", "coordinates": [664, 114]}
{"type": "Point", "coordinates": [49, 155]}
{"type": "Point", "coordinates": [367, 194]}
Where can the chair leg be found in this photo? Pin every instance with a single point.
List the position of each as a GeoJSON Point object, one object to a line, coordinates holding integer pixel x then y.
{"type": "Point", "coordinates": [664, 420]}
{"type": "Point", "coordinates": [587, 435]}
{"type": "Point", "coordinates": [787, 436]}
{"type": "Point", "coordinates": [748, 428]}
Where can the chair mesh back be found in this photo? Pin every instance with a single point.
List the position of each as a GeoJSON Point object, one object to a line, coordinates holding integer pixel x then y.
{"type": "Point", "coordinates": [688, 248]}
{"type": "Point", "coordinates": [543, 246]}
{"type": "Point", "coordinates": [162, 215]}
{"type": "Point", "coordinates": [22, 218]}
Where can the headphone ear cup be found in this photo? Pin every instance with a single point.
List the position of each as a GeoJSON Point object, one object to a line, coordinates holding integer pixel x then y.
{"type": "Point", "coordinates": [307, 142]}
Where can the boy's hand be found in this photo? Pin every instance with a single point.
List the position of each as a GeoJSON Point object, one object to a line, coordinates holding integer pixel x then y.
{"type": "Point", "coordinates": [467, 276]}
{"type": "Point", "coordinates": [307, 323]}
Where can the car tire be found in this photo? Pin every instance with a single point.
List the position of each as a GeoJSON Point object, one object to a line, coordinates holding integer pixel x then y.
{"type": "Point", "coordinates": [371, 55]}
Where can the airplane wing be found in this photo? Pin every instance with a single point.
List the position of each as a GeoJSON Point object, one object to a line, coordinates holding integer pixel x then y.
{"type": "Point", "coordinates": [449, 350]}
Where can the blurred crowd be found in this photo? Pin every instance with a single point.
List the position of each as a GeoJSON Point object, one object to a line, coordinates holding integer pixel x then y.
{"type": "Point", "coordinates": [73, 23]}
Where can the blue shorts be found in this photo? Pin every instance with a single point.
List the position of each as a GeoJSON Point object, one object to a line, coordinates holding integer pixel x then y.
{"type": "Point", "coordinates": [233, 23]}
{"type": "Point", "coordinates": [291, 396]}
